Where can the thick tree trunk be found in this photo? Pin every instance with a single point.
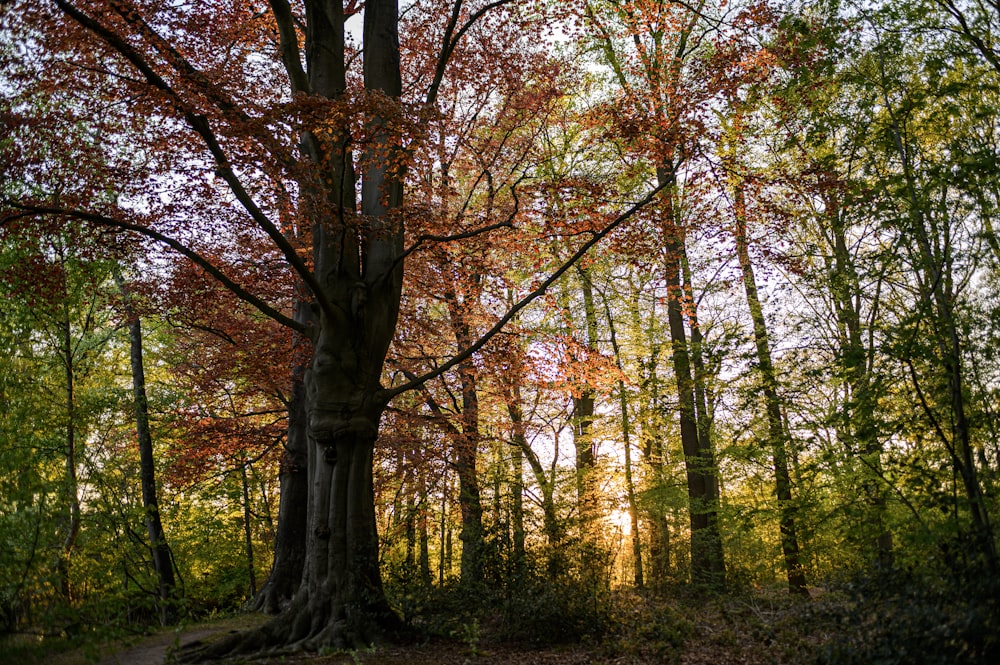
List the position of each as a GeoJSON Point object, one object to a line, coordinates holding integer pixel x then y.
{"type": "Point", "coordinates": [341, 601]}
{"type": "Point", "coordinates": [358, 272]}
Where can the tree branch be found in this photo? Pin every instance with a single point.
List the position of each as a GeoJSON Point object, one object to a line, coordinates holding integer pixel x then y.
{"type": "Point", "coordinates": [449, 43]}
{"type": "Point", "coordinates": [289, 45]}
{"type": "Point", "coordinates": [507, 223]}
{"type": "Point", "coordinates": [416, 382]}
{"type": "Point", "coordinates": [176, 245]}
{"type": "Point", "coordinates": [199, 123]}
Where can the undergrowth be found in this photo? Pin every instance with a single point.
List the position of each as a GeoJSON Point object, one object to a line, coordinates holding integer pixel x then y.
{"type": "Point", "coordinates": [900, 617]}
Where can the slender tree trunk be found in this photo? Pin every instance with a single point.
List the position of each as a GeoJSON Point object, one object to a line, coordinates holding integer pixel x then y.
{"type": "Point", "coordinates": [550, 520]}
{"type": "Point", "coordinates": [447, 534]}
{"type": "Point", "coordinates": [466, 460]}
{"type": "Point", "coordinates": [937, 290]}
{"type": "Point", "coordinates": [247, 530]}
{"type": "Point", "coordinates": [517, 509]}
{"type": "Point", "coordinates": [582, 417]}
{"type": "Point", "coordinates": [410, 532]}
{"type": "Point", "coordinates": [651, 444]}
{"type": "Point", "coordinates": [423, 540]}
{"type": "Point", "coordinates": [584, 403]}
{"type": "Point", "coordinates": [162, 558]}
{"type": "Point", "coordinates": [444, 557]}
{"type": "Point", "coordinates": [702, 393]}
{"type": "Point", "coordinates": [858, 422]}
{"type": "Point", "coordinates": [777, 435]}
{"type": "Point", "coordinates": [707, 562]}
{"type": "Point", "coordinates": [633, 508]}
{"type": "Point", "coordinates": [501, 508]}
{"type": "Point", "coordinates": [72, 482]}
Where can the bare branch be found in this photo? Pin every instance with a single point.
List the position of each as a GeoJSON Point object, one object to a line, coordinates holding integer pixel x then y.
{"type": "Point", "coordinates": [449, 43]}
{"type": "Point", "coordinates": [176, 245]}
{"type": "Point", "coordinates": [507, 223]}
{"type": "Point", "coordinates": [525, 301]}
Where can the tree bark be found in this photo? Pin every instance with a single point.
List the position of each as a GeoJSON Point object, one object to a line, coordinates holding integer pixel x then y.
{"type": "Point", "coordinates": [357, 265]}
{"type": "Point", "coordinates": [72, 482]}
{"type": "Point", "coordinates": [423, 538]}
{"type": "Point", "coordinates": [777, 434]}
{"type": "Point", "coordinates": [466, 448]}
{"type": "Point", "coordinates": [707, 562]}
{"type": "Point", "coordinates": [290, 537]}
{"type": "Point", "coordinates": [584, 402]}
{"type": "Point", "coordinates": [247, 529]}
{"type": "Point", "coordinates": [162, 558]}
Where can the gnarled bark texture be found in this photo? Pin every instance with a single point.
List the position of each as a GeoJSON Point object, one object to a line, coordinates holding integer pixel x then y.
{"type": "Point", "coordinates": [290, 538]}
{"type": "Point", "coordinates": [358, 281]}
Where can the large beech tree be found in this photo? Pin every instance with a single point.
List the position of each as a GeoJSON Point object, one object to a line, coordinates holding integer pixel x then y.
{"type": "Point", "coordinates": [267, 135]}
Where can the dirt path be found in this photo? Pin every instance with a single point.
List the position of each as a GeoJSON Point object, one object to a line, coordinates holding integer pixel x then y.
{"type": "Point", "coordinates": [153, 650]}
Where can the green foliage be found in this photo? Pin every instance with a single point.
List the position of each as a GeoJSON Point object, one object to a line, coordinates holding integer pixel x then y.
{"type": "Point", "coordinates": [647, 626]}
{"type": "Point", "coordinates": [896, 617]}
{"type": "Point", "coordinates": [532, 609]}
{"type": "Point", "coordinates": [208, 547]}
{"type": "Point", "coordinates": [31, 649]}
{"type": "Point", "coordinates": [541, 611]}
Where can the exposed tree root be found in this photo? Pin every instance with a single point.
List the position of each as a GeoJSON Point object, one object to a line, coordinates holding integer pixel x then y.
{"type": "Point", "coordinates": [271, 599]}
{"type": "Point", "coordinates": [307, 626]}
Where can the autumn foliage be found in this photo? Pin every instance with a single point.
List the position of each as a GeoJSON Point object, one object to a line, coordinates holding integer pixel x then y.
{"type": "Point", "coordinates": [545, 320]}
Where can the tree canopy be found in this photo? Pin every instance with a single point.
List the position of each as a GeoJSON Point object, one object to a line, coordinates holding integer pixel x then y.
{"type": "Point", "coordinates": [389, 319]}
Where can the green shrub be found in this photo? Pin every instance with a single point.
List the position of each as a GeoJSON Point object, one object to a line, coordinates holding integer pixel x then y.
{"type": "Point", "coordinates": [902, 618]}
{"type": "Point", "coordinates": [648, 627]}
{"type": "Point", "coordinates": [565, 611]}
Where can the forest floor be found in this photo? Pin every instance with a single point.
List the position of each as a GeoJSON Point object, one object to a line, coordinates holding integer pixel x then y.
{"type": "Point", "coordinates": [727, 630]}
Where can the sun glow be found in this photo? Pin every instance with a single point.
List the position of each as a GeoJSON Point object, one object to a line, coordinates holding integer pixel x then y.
{"type": "Point", "coordinates": [620, 520]}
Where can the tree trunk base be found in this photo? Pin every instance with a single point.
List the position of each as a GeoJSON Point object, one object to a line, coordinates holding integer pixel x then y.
{"type": "Point", "coordinates": [309, 624]}
{"type": "Point", "coordinates": [272, 598]}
